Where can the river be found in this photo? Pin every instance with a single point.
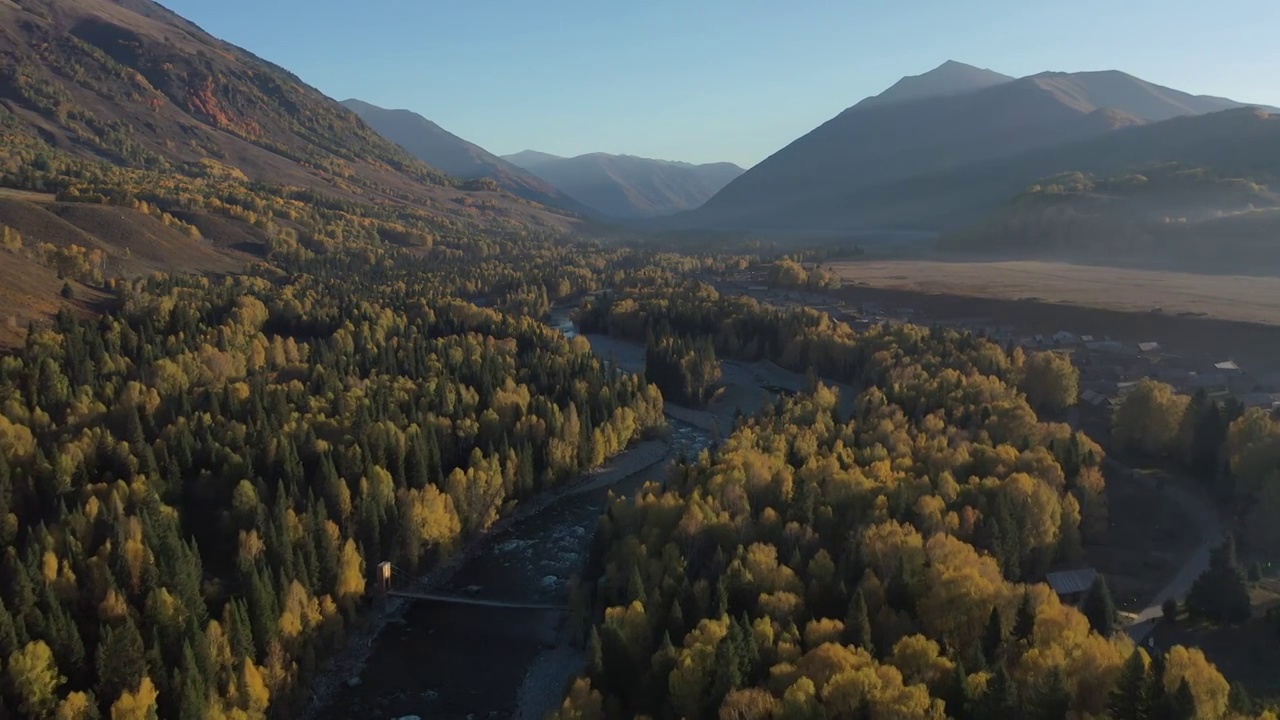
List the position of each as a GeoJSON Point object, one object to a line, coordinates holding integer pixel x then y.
{"type": "Point", "coordinates": [454, 661]}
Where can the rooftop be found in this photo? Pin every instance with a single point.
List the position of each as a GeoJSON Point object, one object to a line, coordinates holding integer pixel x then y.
{"type": "Point", "coordinates": [1070, 582]}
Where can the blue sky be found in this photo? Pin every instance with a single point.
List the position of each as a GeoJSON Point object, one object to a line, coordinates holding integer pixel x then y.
{"type": "Point", "coordinates": [710, 80]}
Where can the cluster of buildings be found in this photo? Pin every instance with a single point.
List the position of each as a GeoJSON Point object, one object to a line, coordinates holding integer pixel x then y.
{"type": "Point", "coordinates": [1109, 368]}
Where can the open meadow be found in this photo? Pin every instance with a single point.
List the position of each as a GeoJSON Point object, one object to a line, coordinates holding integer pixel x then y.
{"type": "Point", "coordinates": [1245, 298]}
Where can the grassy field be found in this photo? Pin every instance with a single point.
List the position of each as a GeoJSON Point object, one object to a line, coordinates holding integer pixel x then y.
{"type": "Point", "coordinates": [1228, 297]}
{"type": "Point", "coordinates": [26, 195]}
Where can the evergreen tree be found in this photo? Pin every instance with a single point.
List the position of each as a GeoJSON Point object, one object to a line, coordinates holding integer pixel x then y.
{"type": "Point", "coordinates": [1183, 703]}
{"type": "Point", "coordinates": [1099, 608]}
{"type": "Point", "coordinates": [955, 694]}
{"type": "Point", "coordinates": [857, 624]}
{"type": "Point", "coordinates": [1053, 698]}
{"type": "Point", "coordinates": [1221, 593]}
{"type": "Point", "coordinates": [120, 659]}
{"type": "Point", "coordinates": [1129, 699]}
{"type": "Point", "coordinates": [1024, 623]}
{"type": "Point", "coordinates": [1000, 701]}
{"type": "Point", "coordinates": [993, 638]}
{"type": "Point", "coordinates": [1157, 698]}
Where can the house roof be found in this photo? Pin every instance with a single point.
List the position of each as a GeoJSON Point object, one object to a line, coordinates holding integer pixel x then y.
{"type": "Point", "coordinates": [1227, 365]}
{"type": "Point", "coordinates": [1148, 346]}
{"type": "Point", "coordinates": [1069, 582]}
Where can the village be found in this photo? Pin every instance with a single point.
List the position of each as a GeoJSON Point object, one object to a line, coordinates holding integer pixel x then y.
{"type": "Point", "coordinates": [1109, 366]}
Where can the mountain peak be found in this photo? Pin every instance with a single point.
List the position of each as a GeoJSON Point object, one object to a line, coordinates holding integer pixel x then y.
{"type": "Point", "coordinates": [949, 78]}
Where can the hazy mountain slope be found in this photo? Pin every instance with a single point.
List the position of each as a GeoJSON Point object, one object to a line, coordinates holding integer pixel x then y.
{"type": "Point", "coordinates": [445, 151]}
{"type": "Point", "coordinates": [950, 78]}
{"type": "Point", "coordinates": [133, 84]}
{"type": "Point", "coordinates": [810, 183]}
{"type": "Point", "coordinates": [1240, 143]}
{"type": "Point", "coordinates": [528, 159]}
{"type": "Point", "coordinates": [629, 187]}
{"type": "Point", "coordinates": [1164, 212]}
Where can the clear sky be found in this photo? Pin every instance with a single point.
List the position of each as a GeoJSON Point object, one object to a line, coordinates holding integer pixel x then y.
{"type": "Point", "coordinates": [711, 80]}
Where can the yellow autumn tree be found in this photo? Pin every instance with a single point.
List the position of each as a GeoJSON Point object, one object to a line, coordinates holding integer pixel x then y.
{"type": "Point", "coordinates": [136, 704]}
{"type": "Point", "coordinates": [351, 578]}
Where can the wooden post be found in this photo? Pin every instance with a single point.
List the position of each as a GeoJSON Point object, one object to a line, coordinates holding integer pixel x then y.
{"type": "Point", "coordinates": [384, 577]}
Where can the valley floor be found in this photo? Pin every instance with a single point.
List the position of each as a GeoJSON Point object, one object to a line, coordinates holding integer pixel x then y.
{"type": "Point", "coordinates": [1246, 298]}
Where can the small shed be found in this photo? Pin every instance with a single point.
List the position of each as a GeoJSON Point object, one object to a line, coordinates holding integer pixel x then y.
{"type": "Point", "coordinates": [1072, 585]}
{"type": "Point", "coordinates": [1093, 397]}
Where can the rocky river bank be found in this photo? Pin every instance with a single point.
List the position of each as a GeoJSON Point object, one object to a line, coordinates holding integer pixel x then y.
{"type": "Point", "coordinates": [440, 660]}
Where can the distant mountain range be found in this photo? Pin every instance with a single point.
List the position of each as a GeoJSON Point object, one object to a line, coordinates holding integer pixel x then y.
{"type": "Point", "coordinates": [619, 187]}
{"type": "Point", "coordinates": [629, 187]}
{"type": "Point", "coordinates": [445, 151]}
{"type": "Point", "coordinates": [942, 150]}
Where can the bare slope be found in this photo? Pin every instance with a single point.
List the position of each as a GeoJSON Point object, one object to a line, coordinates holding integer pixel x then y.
{"type": "Point", "coordinates": [629, 187]}
{"type": "Point", "coordinates": [134, 84]}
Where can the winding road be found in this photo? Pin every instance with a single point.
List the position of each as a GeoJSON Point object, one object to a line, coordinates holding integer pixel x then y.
{"type": "Point", "coordinates": [1206, 519]}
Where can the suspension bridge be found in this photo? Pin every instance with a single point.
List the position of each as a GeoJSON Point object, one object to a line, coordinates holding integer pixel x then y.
{"type": "Point", "coordinates": [388, 575]}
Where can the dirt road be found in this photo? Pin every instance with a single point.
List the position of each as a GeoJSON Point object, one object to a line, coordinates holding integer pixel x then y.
{"type": "Point", "coordinates": [1202, 512]}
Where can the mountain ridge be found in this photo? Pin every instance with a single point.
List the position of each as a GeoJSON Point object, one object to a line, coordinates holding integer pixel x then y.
{"type": "Point", "coordinates": [949, 78]}
{"type": "Point", "coordinates": [629, 187]}
{"type": "Point", "coordinates": [810, 183]}
{"type": "Point", "coordinates": [441, 149]}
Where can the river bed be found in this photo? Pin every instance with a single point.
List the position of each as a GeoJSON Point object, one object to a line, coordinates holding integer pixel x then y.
{"type": "Point", "coordinates": [444, 660]}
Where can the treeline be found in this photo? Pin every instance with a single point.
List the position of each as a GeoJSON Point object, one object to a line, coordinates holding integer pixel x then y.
{"type": "Point", "coordinates": [1235, 452]}
{"type": "Point", "coordinates": [821, 567]}
{"type": "Point", "coordinates": [194, 487]}
{"type": "Point", "coordinates": [685, 369]}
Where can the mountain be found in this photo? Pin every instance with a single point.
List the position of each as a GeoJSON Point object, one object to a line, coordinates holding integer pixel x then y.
{"type": "Point", "coordinates": [130, 83]}
{"type": "Point", "coordinates": [445, 151]}
{"type": "Point", "coordinates": [815, 182]}
{"type": "Point", "coordinates": [131, 141]}
{"type": "Point", "coordinates": [949, 78]}
{"type": "Point", "coordinates": [528, 159]}
{"type": "Point", "coordinates": [629, 187]}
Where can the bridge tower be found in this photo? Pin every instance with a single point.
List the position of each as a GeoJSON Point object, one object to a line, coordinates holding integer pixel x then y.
{"type": "Point", "coordinates": [384, 577]}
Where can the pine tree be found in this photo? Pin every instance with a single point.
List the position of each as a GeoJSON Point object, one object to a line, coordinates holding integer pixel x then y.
{"type": "Point", "coordinates": [9, 643]}
{"type": "Point", "coordinates": [1221, 593]}
{"type": "Point", "coordinates": [1099, 608]}
{"type": "Point", "coordinates": [1129, 699]}
{"type": "Point", "coordinates": [120, 659]}
{"type": "Point", "coordinates": [595, 656]}
{"type": "Point", "coordinates": [1000, 701]}
{"type": "Point", "coordinates": [1053, 699]}
{"type": "Point", "coordinates": [993, 638]}
{"type": "Point", "coordinates": [1024, 624]}
{"type": "Point", "coordinates": [955, 694]}
{"type": "Point", "coordinates": [1183, 703]}
{"type": "Point", "coordinates": [1157, 697]}
{"type": "Point", "coordinates": [857, 624]}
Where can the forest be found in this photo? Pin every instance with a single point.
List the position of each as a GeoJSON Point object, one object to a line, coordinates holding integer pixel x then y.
{"type": "Point", "coordinates": [886, 565]}
{"type": "Point", "coordinates": [195, 486]}
{"type": "Point", "coordinates": [821, 567]}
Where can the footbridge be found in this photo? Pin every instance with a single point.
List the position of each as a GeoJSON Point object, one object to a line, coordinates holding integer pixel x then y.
{"type": "Point", "coordinates": [388, 575]}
